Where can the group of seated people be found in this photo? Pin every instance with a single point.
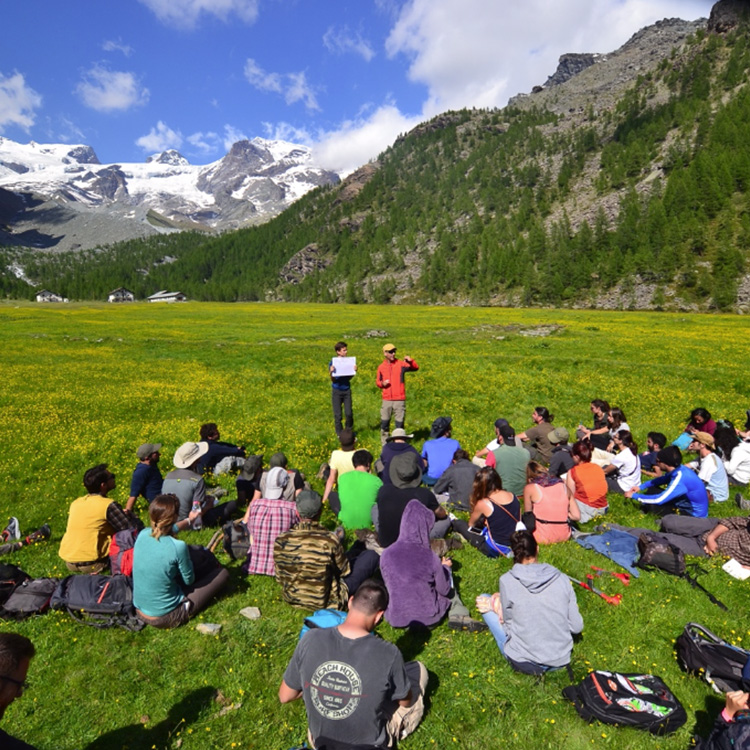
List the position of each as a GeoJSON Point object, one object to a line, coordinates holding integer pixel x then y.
{"type": "Point", "coordinates": [520, 491]}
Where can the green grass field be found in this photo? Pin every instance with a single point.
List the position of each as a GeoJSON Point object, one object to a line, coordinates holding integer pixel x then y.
{"type": "Point", "coordinates": [81, 385]}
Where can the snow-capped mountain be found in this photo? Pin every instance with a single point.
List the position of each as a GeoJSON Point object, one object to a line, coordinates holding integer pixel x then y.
{"type": "Point", "coordinates": [256, 180]}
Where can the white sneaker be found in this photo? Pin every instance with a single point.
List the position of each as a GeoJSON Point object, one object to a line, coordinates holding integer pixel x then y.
{"type": "Point", "coordinates": [12, 530]}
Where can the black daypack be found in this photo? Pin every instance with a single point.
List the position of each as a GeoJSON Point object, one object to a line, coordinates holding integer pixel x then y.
{"type": "Point", "coordinates": [635, 700]}
{"type": "Point", "coordinates": [99, 601]}
{"type": "Point", "coordinates": [657, 552]}
{"type": "Point", "coordinates": [29, 598]}
{"type": "Point", "coordinates": [236, 540]}
{"type": "Point", "coordinates": [11, 576]}
{"type": "Point", "coordinates": [721, 665]}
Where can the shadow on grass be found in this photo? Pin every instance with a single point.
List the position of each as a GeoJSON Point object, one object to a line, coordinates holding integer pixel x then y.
{"type": "Point", "coordinates": [139, 737]}
{"type": "Point", "coordinates": [704, 720]}
{"type": "Point", "coordinates": [412, 641]}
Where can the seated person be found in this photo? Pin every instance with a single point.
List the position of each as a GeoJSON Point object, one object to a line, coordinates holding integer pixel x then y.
{"type": "Point", "coordinates": [356, 689]}
{"type": "Point", "coordinates": [598, 435]}
{"type": "Point", "coordinates": [535, 614]}
{"type": "Point", "coordinates": [311, 565]}
{"type": "Point", "coordinates": [547, 497]}
{"type": "Point", "coordinates": [396, 443]}
{"type": "Point", "coordinates": [16, 653]}
{"type": "Point", "coordinates": [735, 454]}
{"type": "Point", "coordinates": [92, 522]}
{"type": "Point", "coordinates": [704, 537]}
{"type": "Point", "coordinates": [146, 479]}
{"type": "Point", "coordinates": [509, 460]}
{"type": "Point", "coordinates": [296, 481]}
{"type": "Point", "coordinates": [220, 458]}
{"type": "Point", "coordinates": [480, 456]}
{"type": "Point", "coordinates": [406, 476]}
{"type": "Point", "coordinates": [655, 441]}
{"type": "Point", "coordinates": [586, 483]}
{"type": "Point", "coordinates": [266, 518]}
{"type": "Point", "coordinates": [623, 472]}
{"type": "Point", "coordinates": [561, 461]}
{"type": "Point", "coordinates": [438, 451]}
{"type": "Point", "coordinates": [494, 511]}
{"type": "Point", "coordinates": [679, 488]}
{"type": "Point", "coordinates": [189, 486]}
{"type": "Point", "coordinates": [165, 592]}
{"type": "Point", "coordinates": [420, 584]}
{"type": "Point", "coordinates": [457, 481]}
{"type": "Point", "coordinates": [709, 466]}
{"type": "Point", "coordinates": [699, 421]}
{"type": "Point", "coordinates": [340, 463]}
{"type": "Point", "coordinates": [537, 437]}
{"type": "Point", "coordinates": [248, 480]}
{"type": "Point", "coordinates": [358, 491]}
{"type": "Point", "coordinates": [732, 726]}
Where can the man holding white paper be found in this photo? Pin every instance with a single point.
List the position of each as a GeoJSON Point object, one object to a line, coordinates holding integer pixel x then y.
{"type": "Point", "coordinates": [342, 369]}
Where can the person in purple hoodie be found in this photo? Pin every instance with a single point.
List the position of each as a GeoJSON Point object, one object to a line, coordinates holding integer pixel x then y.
{"type": "Point", "coordinates": [419, 583]}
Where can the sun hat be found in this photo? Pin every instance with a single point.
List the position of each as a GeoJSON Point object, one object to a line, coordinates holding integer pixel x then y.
{"type": "Point", "coordinates": [276, 479]}
{"type": "Point", "coordinates": [309, 504]}
{"type": "Point", "coordinates": [440, 426]}
{"type": "Point", "coordinates": [405, 470]}
{"type": "Point", "coordinates": [250, 467]}
{"type": "Point", "coordinates": [399, 432]}
{"type": "Point", "coordinates": [389, 348]}
{"type": "Point", "coordinates": [188, 453]}
{"type": "Point", "coordinates": [278, 459]}
{"type": "Point", "coordinates": [145, 450]}
{"type": "Point", "coordinates": [558, 435]}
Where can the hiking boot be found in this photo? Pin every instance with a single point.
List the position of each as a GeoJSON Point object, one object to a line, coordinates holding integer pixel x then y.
{"type": "Point", "coordinates": [42, 533]}
{"type": "Point", "coordinates": [322, 470]}
{"type": "Point", "coordinates": [369, 538]}
{"type": "Point", "coordinates": [742, 502]}
{"type": "Point", "coordinates": [467, 624]}
{"type": "Point", "coordinates": [12, 531]}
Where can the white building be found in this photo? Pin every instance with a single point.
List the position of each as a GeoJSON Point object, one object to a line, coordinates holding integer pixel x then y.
{"type": "Point", "coordinates": [46, 296]}
{"type": "Point", "coordinates": [165, 296]}
{"type": "Point", "coordinates": [121, 294]}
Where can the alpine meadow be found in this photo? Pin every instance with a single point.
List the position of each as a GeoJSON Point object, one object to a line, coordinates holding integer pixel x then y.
{"type": "Point", "coordinates": [89, 383]}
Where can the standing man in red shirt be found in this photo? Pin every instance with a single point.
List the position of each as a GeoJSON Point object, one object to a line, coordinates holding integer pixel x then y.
{"type": "Point", "coordinates": [390, 380]}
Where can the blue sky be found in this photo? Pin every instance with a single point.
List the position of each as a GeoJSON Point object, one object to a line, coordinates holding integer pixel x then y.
{"type": "Point", "coordinates": [133, 77]}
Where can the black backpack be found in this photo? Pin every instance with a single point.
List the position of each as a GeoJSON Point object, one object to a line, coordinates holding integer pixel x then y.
{"type": "Point", "coordinates": [657, 552]}
{"type": "Point", "coordinates": [236, 540]}
{"type": "Point", "coordinates": [721, 665]}
{"type": "Point", "coordinates": [99, 601]}
{"type": "Point", "coordinates": [635, 700]}
{"type": "Point", "coordinates": [10, 577]}
{"type": "Point", "coordinates": [29, 598]}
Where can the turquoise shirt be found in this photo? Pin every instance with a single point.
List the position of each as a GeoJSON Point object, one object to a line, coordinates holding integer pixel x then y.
{"type": "Point", "coordinates": [159, 567]}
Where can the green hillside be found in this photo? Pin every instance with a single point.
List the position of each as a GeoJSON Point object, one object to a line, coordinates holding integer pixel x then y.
{"type": "Point", "coordinates": [643, 202]}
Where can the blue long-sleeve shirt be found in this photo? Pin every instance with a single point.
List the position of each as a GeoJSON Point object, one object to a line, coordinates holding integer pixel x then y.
{"type": "Point", "coordinates": [682, 487]}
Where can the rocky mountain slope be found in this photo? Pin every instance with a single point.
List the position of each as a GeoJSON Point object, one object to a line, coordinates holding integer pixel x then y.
{"type": "Point", "coordinates": [67, 200]}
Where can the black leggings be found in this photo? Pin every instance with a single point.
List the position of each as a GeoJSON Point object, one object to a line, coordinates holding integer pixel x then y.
{"type": "Point", "coordinates": [474, 539]}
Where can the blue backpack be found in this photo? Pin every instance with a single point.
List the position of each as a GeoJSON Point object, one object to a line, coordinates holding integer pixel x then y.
{"type": "Point", "coordinates": [323, 618]}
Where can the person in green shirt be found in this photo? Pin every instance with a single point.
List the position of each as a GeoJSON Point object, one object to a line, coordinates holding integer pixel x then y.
{"type": "Point", "coordinates": [358, 490]}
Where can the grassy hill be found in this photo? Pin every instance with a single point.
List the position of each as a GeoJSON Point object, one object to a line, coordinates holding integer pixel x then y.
{"type": "Point", "coordinates": [626, 186]}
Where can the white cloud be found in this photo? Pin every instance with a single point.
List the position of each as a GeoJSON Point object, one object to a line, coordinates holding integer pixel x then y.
{"type": "Point", "coordinates": [117, 46]}
{"type": "Point", "coordinates": [205, 143]}
{"type": "Point", "coordinates": [232, 135]}
{"type": "Point", "coordinates": [480, 54]}
{"type": "Point", "coordinates": [185, 13]}
{"type": "Point", "coordinates": [109, 90]}
{"type": "Point", "coordinates": [159, 139]}
{"type": "Point", "coordinates": [67, 132]}
{"type": "Point", "coordinates": [357, 141]}
{"type": "Point", "coordinates": [283, 131]}
{"type": "Point", "coordinates": [18, 102]}
{"type": "Point", "coordinates": [292, 86]}
{"type": "Point", "coordinates": [342, 40]}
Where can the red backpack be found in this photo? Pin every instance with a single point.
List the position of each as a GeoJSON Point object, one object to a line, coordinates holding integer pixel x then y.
{"type": "Point", "coordinates": [121, 552]}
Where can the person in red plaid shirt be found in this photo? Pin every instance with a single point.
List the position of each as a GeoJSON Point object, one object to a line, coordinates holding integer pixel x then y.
{"type": "Point", "coordinates": [269, 516]}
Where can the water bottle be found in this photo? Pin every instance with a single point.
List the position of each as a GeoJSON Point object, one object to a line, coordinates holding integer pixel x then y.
{"type": "Point", "coordinates": [197, 522]}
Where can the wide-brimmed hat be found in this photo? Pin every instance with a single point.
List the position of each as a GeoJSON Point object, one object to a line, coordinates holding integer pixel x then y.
{"type": "Point", "coordinates": [558, 435]}
{"type": "Point", "coordinates": [276, 479]}
{"type": "Point", "coordinates": [704, 438]}
{"type": "Point", "coordinates": [401, 433]}
{"type": "Point", "coordinates": [145, 450]}
{"type": "Point", "coordinates": [309, 504]}
{"type": "Point", "coordinates": [188, 453]}
{"type": "Point", "coordinates": [250, 467]}
{"type": "Point", "coordinates": [278, 459]}
{"type": "Point", "coordinates": [405, 470]}
{"type": "Point", "coordinates": [440, 426]}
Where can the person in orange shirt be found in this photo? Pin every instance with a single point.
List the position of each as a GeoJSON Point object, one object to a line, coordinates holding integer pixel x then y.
{"type": "Point", "coordinates": [390, 380]}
